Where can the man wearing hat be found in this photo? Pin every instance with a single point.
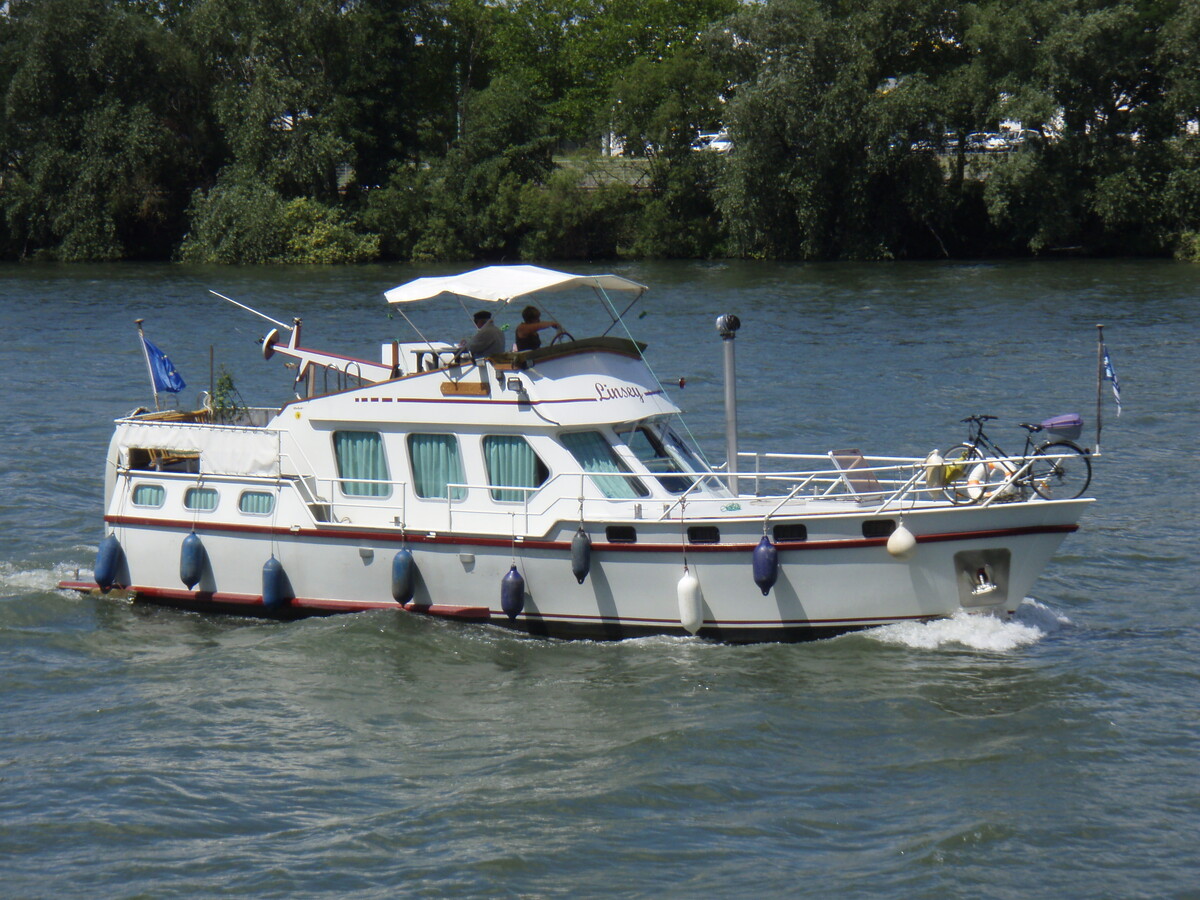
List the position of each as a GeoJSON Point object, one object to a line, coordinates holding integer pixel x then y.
{"type": "Point", "coordinates": [487, 340]}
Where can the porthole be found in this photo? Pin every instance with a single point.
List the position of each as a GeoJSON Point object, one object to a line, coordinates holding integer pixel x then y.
{"type": "Point", "coordinates": [256, 503]}
{"type": "Point", "coordinates": [793, 531]}
{"type": "Point", "coordinates": [621, 534]}
{"type": "Point", "coordinates": [878, 528]}
{"type": "Point", "coordinates": [201, 499]}
{"type": "Point", "coordinates": [153, 495]}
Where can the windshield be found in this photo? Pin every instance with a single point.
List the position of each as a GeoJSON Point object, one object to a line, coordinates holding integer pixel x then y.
{"type": "Point", "coordinates": [666, 456]}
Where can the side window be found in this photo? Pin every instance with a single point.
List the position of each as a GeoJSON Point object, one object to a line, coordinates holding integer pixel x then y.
{"type": "Point", "coordinates": [360, 456]}
{"type": "Point", "coordinates": [200, 498]}
{"type": "Point", "coordinates": [596, 457]}
{"type": "Point", "coordinates": [256, 503]}
{"type": "Point", "coordinates": [511, 463]}
{"type": "Point", "coordinates": [436, 464]}
{"type": "Point", "coordinates": [149, 495]}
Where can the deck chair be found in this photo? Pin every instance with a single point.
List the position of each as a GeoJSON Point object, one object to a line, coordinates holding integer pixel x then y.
{"type": "Point", "coordinates": [855, 473]}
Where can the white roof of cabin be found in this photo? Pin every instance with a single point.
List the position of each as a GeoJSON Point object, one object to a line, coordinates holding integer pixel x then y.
{"type": "Point", "coordinates": [502, 284]}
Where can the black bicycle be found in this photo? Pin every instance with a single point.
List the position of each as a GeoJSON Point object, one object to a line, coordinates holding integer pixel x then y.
{"type": "Point", "coordinates": [1056, 469]}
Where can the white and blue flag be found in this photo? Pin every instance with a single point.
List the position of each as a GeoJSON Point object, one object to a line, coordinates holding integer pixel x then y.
{"type": "Point", "coordinates": [1111, 375]}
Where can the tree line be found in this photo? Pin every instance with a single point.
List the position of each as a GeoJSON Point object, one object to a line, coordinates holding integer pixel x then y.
{"type": "Point", "coordinates": [322, 131]}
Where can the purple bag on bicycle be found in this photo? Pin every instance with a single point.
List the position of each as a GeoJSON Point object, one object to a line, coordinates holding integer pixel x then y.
{"type": "Point", "coordinates": [1067, 426]}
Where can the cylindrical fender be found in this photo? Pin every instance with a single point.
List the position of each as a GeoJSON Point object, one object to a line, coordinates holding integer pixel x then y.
{"type": "Point", "coordinates": [404, 571]}
{"type": "Point", "coordinates": [274, 594]}
{"type": "Point", "coordinates": [766, 565]}
{"type": "Point", "coordinates": [581, 555]}
{"type": "Point", "coordinates": [108, 562]}
{"type": "Point", "coordinates": [691, 602]}
{"type": "Point", "coordinates": [192, 559]}
{"type": "Point", "coordinates": [512, 593]}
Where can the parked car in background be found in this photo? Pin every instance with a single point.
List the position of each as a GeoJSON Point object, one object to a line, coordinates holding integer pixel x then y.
{"type": "Point", "coordinates": [719, 142]}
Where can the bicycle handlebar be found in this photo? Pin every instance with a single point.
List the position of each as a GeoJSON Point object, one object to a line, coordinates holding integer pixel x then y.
{"type": "Point", "coordinates": [980, 419]}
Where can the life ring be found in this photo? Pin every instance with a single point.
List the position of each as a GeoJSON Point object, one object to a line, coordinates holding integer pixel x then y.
{"type": "Point", "coordinates": [986, 476]}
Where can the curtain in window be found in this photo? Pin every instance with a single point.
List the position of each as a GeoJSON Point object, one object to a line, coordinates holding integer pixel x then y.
{"type": "Point", "coordinates": [596, 457]}
{"type": "Point", "coordinates": [511, 462]}
{"type": "Point", "coordinates": [149, 495]}
{"type": "Point", "coordinates": [360, 455]}
{"type": "Point", "coordinates": [436, 464]}
{"type": "Point", "coordinates": [200, 498]}
{"type": "Point", "coordinates": [256, 503]}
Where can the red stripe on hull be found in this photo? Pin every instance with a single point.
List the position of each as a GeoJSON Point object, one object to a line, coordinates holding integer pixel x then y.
{"type": "Point", "coordinates": [391, 536]}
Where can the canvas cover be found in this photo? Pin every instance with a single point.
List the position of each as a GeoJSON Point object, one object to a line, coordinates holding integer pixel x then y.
{"type": "Point", "coordinates": [501, 284]}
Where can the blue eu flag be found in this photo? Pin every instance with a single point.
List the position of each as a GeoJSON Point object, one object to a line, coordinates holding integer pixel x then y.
{"type": "Point", "coordinates": [163, 370]}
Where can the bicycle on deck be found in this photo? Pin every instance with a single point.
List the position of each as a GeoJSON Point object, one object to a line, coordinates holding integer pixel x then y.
{"type": "Point", "coordinates": [1055, 469]}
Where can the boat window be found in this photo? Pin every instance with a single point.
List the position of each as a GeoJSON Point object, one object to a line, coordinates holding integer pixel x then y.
{"type": "Point", "coordinates": [511, 463]}
{"type": "Point", "coordinates": [649, 450]}
{"type": "Point", "coordinates": [149, 495]}
{"type": "Point", "coordinates": [601, 462]}
{"type": "Point", "coordinates": [360, 456]}
{"type": "Point", "coordinates": [704, 534]}
{"type": "Point", "coordinates": [256, 503]}
{"type": "Point", "coordinates": [796, 531]}
{"type": "Point", "coordinates": [688, 459]}
{"type": "Point", "coordinates": [436, 465]}
{"type": "Point", "coordinates": [878, 528]}
{"type": "Point", "coordinates": [200, 498]}
{"type": "Point", "coordinates": [620, 534]}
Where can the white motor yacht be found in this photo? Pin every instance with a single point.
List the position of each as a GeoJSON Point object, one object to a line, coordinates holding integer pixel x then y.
{"type": "Point", "coordinates": [553, 491]}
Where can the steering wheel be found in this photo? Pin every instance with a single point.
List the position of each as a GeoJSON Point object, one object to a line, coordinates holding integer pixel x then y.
{"type": "Point", "coordinates": [561, 336]}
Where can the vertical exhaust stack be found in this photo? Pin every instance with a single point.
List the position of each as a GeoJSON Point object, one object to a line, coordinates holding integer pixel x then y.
{"type": "Point", "coordinates": [727, 326]}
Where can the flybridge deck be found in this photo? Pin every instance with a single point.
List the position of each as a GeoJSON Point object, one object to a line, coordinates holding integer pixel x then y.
{"type": "Point", "coordinates": [554, 491]}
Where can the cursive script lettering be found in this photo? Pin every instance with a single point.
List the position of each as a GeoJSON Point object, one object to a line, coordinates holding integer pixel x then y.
{"type": "Point", "coordinates": [608, 392]}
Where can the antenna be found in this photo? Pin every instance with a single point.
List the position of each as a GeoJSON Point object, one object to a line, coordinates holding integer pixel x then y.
{"type": "Point", "coordinates": [252, 310]}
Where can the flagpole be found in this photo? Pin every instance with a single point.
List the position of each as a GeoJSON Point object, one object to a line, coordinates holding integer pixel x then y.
{"type": "Point", "coordinates": [1099, 382]}
{"type": "Point", "coordinates": [146, 355]}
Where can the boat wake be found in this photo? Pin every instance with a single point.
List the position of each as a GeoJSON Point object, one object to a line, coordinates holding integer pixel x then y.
{"type": "Point", "coordinates": [16, 580]}
{"type": "Point", "coordinates": [1032, 622]}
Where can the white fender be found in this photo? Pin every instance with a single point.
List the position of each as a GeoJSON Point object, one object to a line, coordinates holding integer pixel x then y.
{"type": "Point", "coordinates": [901, 542]}
{"type": "Point", "coordinates": [935, 470]}
{"type": "Point", "coordinates": [691, 602]}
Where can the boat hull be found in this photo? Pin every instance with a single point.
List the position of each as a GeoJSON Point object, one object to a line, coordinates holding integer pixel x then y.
{"type": "Point", "coordinates": [975, 559]}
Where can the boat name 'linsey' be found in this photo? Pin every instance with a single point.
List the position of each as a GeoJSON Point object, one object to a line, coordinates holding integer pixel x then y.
{"type": "Point", "coordinates": [608, 392]}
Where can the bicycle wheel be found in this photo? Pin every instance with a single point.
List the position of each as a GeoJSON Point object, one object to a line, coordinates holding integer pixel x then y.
{"type": "Point", "coordinates": [959, 460]}
{"type": "Point", "coordinates": [1060, 470]}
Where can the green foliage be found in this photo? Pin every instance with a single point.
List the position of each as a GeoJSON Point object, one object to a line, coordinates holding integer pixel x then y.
{"type": "Point", "coordinates": [225, 402]}
{"type": "Point", "coordinates": [236, 222]}
{"type": "Point", "coordinates": [240, 221]}
{"type": "Point", "coordinates": [824, 166]}
{"type": "Point", "coordinates": [326, 131]}
{"type": "Point", "coordinates": [1188, 247]}
{"type": "Point", "coordinates": [323, 234]}
{"type": "Point", "coordinates": [567, 218]}
{"type": "Point", "coordinates": [104, 129]}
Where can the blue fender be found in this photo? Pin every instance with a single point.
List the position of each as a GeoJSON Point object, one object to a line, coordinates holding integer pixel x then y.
{"type": "Point", "coordinates": [108, 562]}
{"type": "Point", "coordinates": [273, 593]}
{"type": "Point", "coordinates": [192, 559]}
{"type": "Point", "coordinates": [512, 593]}
{"type": "Point", "coordinates": [404, 572]}
{"type": "Point", "coordinates": [766, 565]}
